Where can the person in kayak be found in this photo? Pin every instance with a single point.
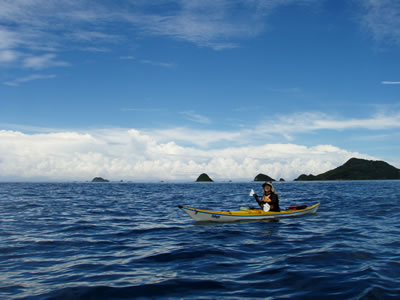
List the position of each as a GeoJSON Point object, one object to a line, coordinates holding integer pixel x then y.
{"type": "Point", "coordinates": [269, 196]}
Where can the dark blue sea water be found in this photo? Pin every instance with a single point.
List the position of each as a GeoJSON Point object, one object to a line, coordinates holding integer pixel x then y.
{"type": "Point", "coordinates": [129, 241]}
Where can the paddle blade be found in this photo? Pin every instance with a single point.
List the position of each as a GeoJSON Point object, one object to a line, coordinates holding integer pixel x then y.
{"type": "Point", "coordinates": [251, 193]}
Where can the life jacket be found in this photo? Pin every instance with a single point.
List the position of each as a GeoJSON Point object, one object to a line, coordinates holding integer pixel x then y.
{"type": "Point", "coordinates": [273, 204]}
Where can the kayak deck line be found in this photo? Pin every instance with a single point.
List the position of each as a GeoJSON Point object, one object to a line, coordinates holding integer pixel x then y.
{"type": "Point", "coordinates": [250, 214]}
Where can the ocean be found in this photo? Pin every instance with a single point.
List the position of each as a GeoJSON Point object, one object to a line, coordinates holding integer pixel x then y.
{"type": "Point", "coordinates": [130, 241]}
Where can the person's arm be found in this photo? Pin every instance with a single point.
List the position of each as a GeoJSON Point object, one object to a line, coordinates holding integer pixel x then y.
{"type": "Point", "coordinates": [258, 200]}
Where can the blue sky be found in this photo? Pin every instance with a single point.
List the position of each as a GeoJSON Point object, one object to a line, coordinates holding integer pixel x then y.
{"type": "Point", "coordinates": [171, 89]}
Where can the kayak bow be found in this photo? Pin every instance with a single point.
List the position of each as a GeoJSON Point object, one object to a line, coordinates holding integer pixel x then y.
{"type": "Point", "coordinates": [201, 215]}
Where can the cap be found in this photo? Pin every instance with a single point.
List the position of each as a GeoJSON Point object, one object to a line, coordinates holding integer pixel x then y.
{"type": "Point", "coordinates": [270, 184]}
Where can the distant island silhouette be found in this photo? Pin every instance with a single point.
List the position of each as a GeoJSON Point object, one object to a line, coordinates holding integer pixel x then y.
{"type": "Point", "coordinates": [263, 177]}
{"type": "Point", "coordinates": [99, 179]}
{"type": "Point", "coordinates": [353, 169]}
{"type": "Point", "coordinates": [204, 178]}
{"type": "Point", "coordinates": [357, 169]}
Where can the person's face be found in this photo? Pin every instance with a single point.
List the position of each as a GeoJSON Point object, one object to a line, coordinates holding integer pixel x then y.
{"type": "Point", "coordinates": [267, 188]}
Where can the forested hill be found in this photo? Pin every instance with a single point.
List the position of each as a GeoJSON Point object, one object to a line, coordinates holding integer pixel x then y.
{"type": "Point", "coordinates": [357, 169]}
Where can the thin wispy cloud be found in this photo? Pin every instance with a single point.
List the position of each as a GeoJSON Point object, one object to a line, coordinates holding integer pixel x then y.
{"type": "Point", "coordinates": [43, 61]}
{"type": "Point", "coordinates": [307, 122]}
{"type": "Point", "coordinates": [195, 137]}
{"type": "Point", "coordinates": [215, 24]}
{"type": "Point", "coordinates": [197, 118]}
{"type": "Point", "coordinates": [8, 56]}
{"type": "Point", "coordinates": [281, 127]}
{"type": "Point", "coordinates": [26, 79]}
{"type": "Point", "coordinates": [382, 19]}
{"type": "Point", "coordinates": [391, 82]}
{"type": "Point", "coordinates": [132, 109]}
{"type": "Point", "coordinates": [92, 36]}
{"type": "Point", "coordinates": [148, 62]}
{"type": "Point", "coordinates": [157, 63]}
{"type": "Point", "coordinates": [36, 25]}
{"type": "Point", "coordinates": [39, 24]}
{"type": "Point", "coordinates": [293, 90]}
{"type": "Point", "coordinates": [128, 57]}
{"type": "Point", "coordinates": [8, 46]}
{"type": "Point", "coordinates": [96, 49]}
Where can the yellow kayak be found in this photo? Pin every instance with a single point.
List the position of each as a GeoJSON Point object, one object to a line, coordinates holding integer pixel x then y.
{"type": "Point", "coordinates": [202, 215]}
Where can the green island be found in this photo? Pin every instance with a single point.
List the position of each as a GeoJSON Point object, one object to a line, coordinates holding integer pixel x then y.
{"type": "Point", "coordinates": [263, 177]}
{"type": "Point", "coordinates": [99, 179]}
{"type": "Point", "coordinates": [357, 169]}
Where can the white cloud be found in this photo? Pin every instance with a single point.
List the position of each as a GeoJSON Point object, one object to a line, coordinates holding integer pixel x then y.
{"type": "Point", "coordinates": [7, 56]}
{"type": "Point", "coordinates": [221, 24]}
{"type": "Point", "coordinates": [149, 62]}
{"type": "Point", "coordinates": [157, 64]}
{"type": "Point", "coordinates": [20, 80]}
{"type": "Point", "coordinates": [42, 24]}
{"type": "Point", "coordinates": [137, 109]}
{"type": "Point", "coordinates": [192, 116]}
{"type": "Point", "coordinates": [276, 126]}
{"type": "Point", "coordinates": [205, 23]}
{"type": "Point", "coordinates": [199, 138]}
{"type": "Point", "coordinates": [43, 61]}
{"type": "Point", "coordinates": [8, 39]}
{"type": "Point", "coordinates": [391, 82]}
{"type": "Point", "coordinates": [313, 121]}
{"type": "Point", "coordinates": [130, 154]}
{"type": "Point", "coordinates": [90, 36]}
{"type": "Point", "coordinates": [382, 19]}
{"type": "Point", "coordinates": [178, 153]}
{"type": "Point", "coordinates": [129, 57]}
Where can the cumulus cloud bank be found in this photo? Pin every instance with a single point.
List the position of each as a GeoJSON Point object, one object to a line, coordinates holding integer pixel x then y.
{"type": "Point", "coordinates": [130, 154]}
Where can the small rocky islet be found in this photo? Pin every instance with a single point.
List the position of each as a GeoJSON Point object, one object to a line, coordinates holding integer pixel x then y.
{"type": "Point", "coordinates": [204, 178]}
{"type": "Point", "coordinates": [99, 179]}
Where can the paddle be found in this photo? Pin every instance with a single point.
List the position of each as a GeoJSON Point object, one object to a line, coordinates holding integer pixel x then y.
{"type": "Point", "coordinates": [264, 206]}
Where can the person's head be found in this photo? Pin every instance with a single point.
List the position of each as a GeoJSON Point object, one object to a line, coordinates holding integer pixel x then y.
{"type": "Point", "coordinates": [268, 187]}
